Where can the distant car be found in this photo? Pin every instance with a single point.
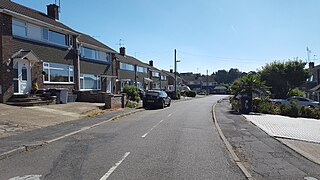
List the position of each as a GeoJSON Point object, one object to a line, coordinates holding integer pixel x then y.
{"type": "Point", "coordinates": [156, 98]}
{"type": "Point", "coordinates": [300, 100]}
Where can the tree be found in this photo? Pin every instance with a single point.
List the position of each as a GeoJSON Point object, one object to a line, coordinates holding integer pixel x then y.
{"type": "Point", "coordinates": [284, 76]}
{"type": "Point", "coordinates": [221, 76]}
{"type": "Point", "coordinates": [248, 84]}
{"type": "Point", "coordinates": [227, 77]}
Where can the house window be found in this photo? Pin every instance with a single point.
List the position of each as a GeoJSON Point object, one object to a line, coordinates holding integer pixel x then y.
{"type": "Point", "coordinates": [60, 73]}
{"type": "Point", "coordinates": [31, 31]}
{"type": "Point", "coordinates": [164, 78]}
{"type": "Point", "coordinates": [57, 38]}
{"type": "Point", "coordinates": [155, 74]}
{"type": "Point", "coordinates": [95, 54]}
{"type": "Point", "coordinates": [90, 82]}
{"type": "Point", "coordinates": [125, 66]}
{"type": "Point", "coordinates": [142, 69]}
{"type": "Point", "coordinates": [19, 28]}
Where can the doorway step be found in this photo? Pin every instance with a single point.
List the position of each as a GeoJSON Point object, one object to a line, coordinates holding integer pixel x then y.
{"type": "Point", "coordinates": [31, 100]}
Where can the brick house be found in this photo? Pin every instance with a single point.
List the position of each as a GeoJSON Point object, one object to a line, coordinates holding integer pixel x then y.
{"type": "Point", "coordinates": [35, 49]}
{"type": "Point", "coordinates": [156, 77]}
{"type": "Point", "coordinates": [171, 79]}
{"type": "Point", "coordinates": [96, 72]}
{"type": "Point", "coordinates": [130, 71]}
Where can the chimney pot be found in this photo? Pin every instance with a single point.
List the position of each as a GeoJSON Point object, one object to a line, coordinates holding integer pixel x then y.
{"type": "Point", "coordinates": [53, 11]}
{"type": "Point", "coordinates": [122, 51]}
{"type": "Point", "coordinates": [171, 70]}
{"type": "Point", "coordinates": [311, 65]}
{"type": "Point", "coordinates": [151, 63]}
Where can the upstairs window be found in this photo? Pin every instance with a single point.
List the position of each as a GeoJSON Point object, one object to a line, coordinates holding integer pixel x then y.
{"type": "Point", "coordinates": [19, 28]}
{"type": "Point", "coordinates": [125, 66]}
{"type": "Point", "coordinates": [95, 54]}
{"type": "Point", "coordinates": [164, 78]}
{"type": "Point", "coordinates": [55, 37]}
{"type": "Point", "coordinates": [34, 32]}
{"type": "Point", "coordinates": [155, 74]}
{"type": "Point", "coordinates": [142, 69]}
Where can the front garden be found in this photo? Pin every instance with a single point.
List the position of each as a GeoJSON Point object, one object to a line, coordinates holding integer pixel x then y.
{"type": "Point", "coordinates": [275, 80]}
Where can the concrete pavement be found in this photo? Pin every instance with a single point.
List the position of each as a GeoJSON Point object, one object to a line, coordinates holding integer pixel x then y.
{"type": "Point", "coordinates": [15, 120]}
{"type": "Point", "coordinates": [264, 156]}
{"type": "Point", "coordinates": [24, 128]}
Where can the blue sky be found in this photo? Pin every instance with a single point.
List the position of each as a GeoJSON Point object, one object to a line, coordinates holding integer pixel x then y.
{"type": "Point", "coordinates": [208, 34]}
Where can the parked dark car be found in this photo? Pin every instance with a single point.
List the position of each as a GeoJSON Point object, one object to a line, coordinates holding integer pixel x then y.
{"type": "Point", "coordinates": [156, 98]}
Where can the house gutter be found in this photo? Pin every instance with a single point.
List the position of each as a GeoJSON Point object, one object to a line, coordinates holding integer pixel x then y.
{"type": "Point", "coordinates": [14, 14]}
{"type": "Point", "coordinates": [96, 47]}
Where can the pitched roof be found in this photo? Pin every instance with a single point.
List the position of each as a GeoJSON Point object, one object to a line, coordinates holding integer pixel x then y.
{"type": "Point", "coordinates": [22, 10]}
{"type": "Point", "coordinates": [131, 60]}
{"type": "Point", "coordinates": [92, 41]}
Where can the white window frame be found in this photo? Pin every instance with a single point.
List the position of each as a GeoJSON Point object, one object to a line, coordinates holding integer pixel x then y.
{"type": "Point", "coordinates": [142, 69]}
{"type": "Point", "coordinates": [127, 67]}
{"type": "Point", "coordinates": [98, 79]}
{"type": "Point", "coordinates": [41, 37]}
{"type": "Point", "coordinates": [25, 26]}
{"type": "Point", "coordinates": [70, 70]}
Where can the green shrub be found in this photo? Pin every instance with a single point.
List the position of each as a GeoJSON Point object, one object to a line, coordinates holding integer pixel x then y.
{"type": "Point", "coordinates": [132, 93]}
{"type": "Point", "coordinates": [235, 104]}
{"type": "Point", "coordinates": [191, 93]}
{"type": "Point", "coordinates": [295, 92]}
{"type": "Point", "coordinates": [291, 110]}
{"type": "Point", "coordinates": [131, 104]}
{"type": "Point", "coordinates": [263, 106]}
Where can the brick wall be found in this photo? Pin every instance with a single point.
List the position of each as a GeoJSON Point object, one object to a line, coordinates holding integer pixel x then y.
{"type": "Point", "coordinates": [6, 66]}
{"type": "Point", "coordinates": [115, 101]}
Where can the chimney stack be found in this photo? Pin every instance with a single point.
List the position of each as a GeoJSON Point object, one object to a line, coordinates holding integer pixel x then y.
{"type": "Point", "coordinates": [151, 63]}
{"type": "Point", "coordinates": [53, 11]}
{"type": "Point", "coordinates": [122, 51]}
{"type": "Point", "coordinates": [311, 65]}
{"type": "Point", "coordinates": [171, 70]}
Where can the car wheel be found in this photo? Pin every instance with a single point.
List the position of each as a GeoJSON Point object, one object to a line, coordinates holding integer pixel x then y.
{"type": "Point", "coordinates": [169, 104]}
{"type": "Point", "coordinates": [163, 104]}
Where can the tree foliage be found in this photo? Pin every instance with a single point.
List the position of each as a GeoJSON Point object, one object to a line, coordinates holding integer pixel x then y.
{"type": "Point", "coordinates": [248, 84]}
{"type": "Point", "coordinates": [284, 76]}
{"type": "Point", "coordinates": [227, 77]}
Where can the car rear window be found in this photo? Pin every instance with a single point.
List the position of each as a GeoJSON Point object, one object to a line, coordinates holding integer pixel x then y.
{"type": "Point", "coordinates": [153, 93]}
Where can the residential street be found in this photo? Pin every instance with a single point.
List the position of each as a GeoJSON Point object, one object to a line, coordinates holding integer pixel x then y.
{"type": "Point", "coordinates": [179, 142]}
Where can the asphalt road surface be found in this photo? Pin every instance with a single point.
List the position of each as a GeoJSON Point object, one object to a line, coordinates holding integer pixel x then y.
{"type": "Point", "coordinates": [178, 142]}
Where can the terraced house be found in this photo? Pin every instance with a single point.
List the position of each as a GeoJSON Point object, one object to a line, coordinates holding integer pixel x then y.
{"type": "Point", "coordinates": [38, 51]}
{"type": "Point", "coordinates": [35, 49]}
{"type": "Point", "coordinates": [130, 71]}
{"type": "Point", "coordinates": [96, 72]}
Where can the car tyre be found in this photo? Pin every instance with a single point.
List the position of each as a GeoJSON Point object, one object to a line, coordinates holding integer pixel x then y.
{"type": "Point", "coordinates": [163, 105]}
{"type": "Point", "coordinates": [169, 104]}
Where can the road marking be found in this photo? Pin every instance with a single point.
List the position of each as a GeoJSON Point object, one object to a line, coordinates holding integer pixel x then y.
{"type": "Point", "coordinates": [151, 129]}
{"type": "Point", "coordinates": [114, 167]}
{"type": "Point", "coordinates": [27, 177]}
{"type": "Point", "coordinates": [170, 115]}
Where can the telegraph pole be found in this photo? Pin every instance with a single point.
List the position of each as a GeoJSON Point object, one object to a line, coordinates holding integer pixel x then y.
{"type": "Point", "coordinates": [207, 83]}
{"type": "Point", "coordinates": [175, 72]}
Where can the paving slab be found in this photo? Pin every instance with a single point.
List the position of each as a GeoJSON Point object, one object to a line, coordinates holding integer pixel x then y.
{"type": "Point", "coordinates": [287, 127]}
{"type": "Point", "coordinates": [262, 155]}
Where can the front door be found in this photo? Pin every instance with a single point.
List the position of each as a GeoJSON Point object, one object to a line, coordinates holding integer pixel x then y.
{"type": "Point", "coordinates": [21, 76]}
